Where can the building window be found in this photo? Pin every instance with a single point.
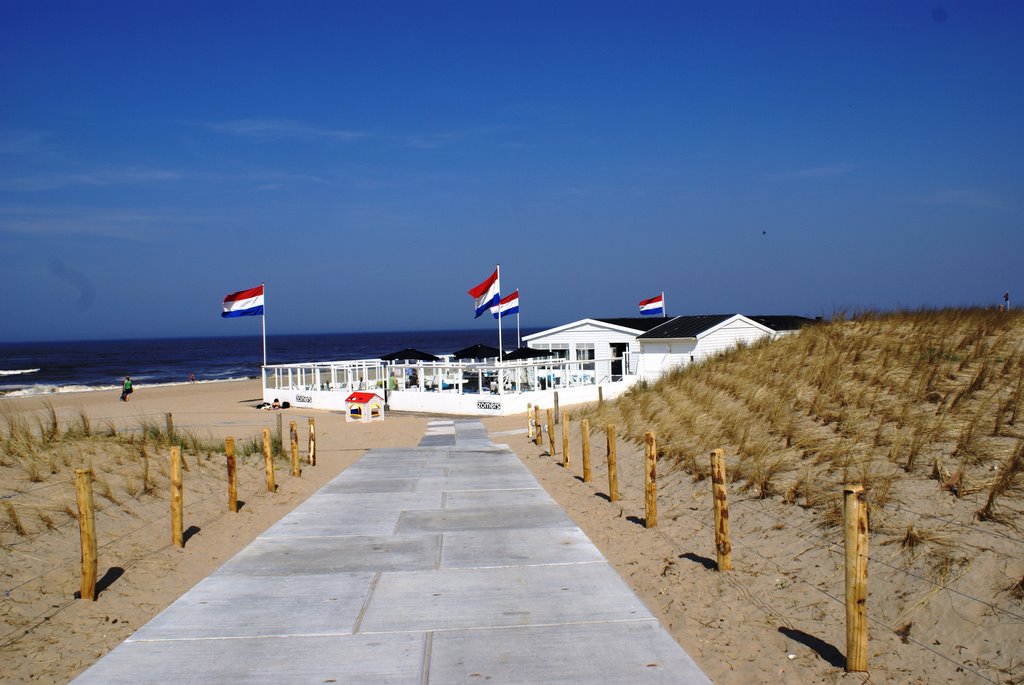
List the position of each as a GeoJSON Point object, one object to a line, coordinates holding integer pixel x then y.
{"type": "Point", "coordinates": [560, 350]}
{"type": "Point", "coordinates": [585, 353]}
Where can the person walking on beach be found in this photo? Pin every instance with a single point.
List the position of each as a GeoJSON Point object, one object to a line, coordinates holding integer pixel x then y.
{"type": "Point", "coordinates": [126, 389]}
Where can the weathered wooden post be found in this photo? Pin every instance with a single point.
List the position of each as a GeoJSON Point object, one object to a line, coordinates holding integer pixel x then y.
{"type": "Point", "coordinates": [556, 405]}
{"type": "Point", "coordinates": [551, 433]}
{"type": "Point", "coordinates": [312, 441]}
{"type": "Point", "coordinates": [177, 495]}
{"type": "Point", "coordinates": [229, 452]}
{"type": "Point", "coordinates": [856, 518]}
{"type": "Point", "coordinates": [529, 421]}
{"type": "Point", "coordinates": [538, 436]}
{"type": "Point", "coordinates": [293, 431]}
{"type": "Point", "coordinates": [268, 461]}
{"type": "Point", "coordinates": [280, 431]}
{"type": "Point", "coordinates": [650, 479]}
{"type": "Point", "coordinates": [600, 396]}
{"type": "Point", "coordinates": [723, 547]}
{"type": "Point", "coordinates": [585, 446]}
{"type": "Point", "coordinates": [565, 439]}
{"type": "Point", "coordinates": [87, 531]}
{"type": "Point", "coordinates": [613, 467]}
{"type": "Point", "coordinates": [169, 420]}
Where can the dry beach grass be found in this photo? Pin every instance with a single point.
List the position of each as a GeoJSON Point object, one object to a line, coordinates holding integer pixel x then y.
{"type": "Point", "coordinates": [923, 408]}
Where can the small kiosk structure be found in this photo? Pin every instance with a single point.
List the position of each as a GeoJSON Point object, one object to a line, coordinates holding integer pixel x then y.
{"type": "Point", "coordinates": [364, 407]}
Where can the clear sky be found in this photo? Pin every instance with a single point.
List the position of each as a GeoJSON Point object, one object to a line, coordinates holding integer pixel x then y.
{"type": "Point", "coordinates": [371, 161]}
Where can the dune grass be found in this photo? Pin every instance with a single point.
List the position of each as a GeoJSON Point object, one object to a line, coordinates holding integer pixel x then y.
{"type": "Point", "coordinates": [128, 464]}
{"type": "Point", "coordinates": [874, 398]}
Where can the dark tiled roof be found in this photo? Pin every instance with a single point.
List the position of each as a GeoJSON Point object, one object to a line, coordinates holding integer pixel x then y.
{"type": "Point", "coordinates": [782, 323]}
{"type": "Point", "coordinates": [686, 326]}
{"type": "Point", "coordinates": [637, 323]}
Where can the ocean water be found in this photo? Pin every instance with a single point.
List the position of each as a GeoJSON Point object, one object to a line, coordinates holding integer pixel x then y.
{"type": "Point", "coordinates": [48, 367]}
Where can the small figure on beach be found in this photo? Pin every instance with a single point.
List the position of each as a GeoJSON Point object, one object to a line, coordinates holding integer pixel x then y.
{"type": "Point", "coordinates": [191, 378]}
{"type": "Point", "coordinates": [276, 404]}
{"type": "Point", "coordinates": [126, 389]}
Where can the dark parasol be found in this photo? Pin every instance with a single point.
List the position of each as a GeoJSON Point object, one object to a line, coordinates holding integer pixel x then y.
{"type": "Point", "coordinates": [409, 354]}
{"type": "Point", "coordinates": [478, 351]}
{"type": "Point", "coordinates": [527, 353]}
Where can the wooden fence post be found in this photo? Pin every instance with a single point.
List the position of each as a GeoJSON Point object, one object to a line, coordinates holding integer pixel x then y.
{"type": "Point", "coordinates": [600, 396]}
{"type": "Point", "coordinates": [650, 480]}
{"type": "Point", "coordinates": [585, 447]}
{"type": "Point", "coordinates": [87, 530]}
{"type": "Point", "coordinates": [280, 432]}
{"type": "Point", "coordinates": [529, 421]}
{"type": "Point", "coordinates": [723, 547]}
{"type": "Point", "coordinates": [312, 441]}
{"type": "Point", "coordinates": [177, 495]}
{"type": "Point", "coordinates": [856, 519]}
{"type": "Point", "coordinates": [169, 420]}
{"type": "Point", "coordinates": [613, 467]}
{"type": "Point", "coordinates": [538, 436]}
{"type": "Point", "coordinates": [229, 452]}
{"type": "Point", "coordinates": [268, 461]}
{"type": "Point", "coordinates": [565, 439]}
{"type": "Point", "coordinates": [293, 431]}
{"type": "Point", "coordinates": [551, 433]}
{"type": "Point", "coordinates": [556, 405]}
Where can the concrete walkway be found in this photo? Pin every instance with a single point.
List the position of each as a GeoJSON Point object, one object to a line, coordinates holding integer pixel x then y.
{"type": "Point", "coordinates": [444, 563]}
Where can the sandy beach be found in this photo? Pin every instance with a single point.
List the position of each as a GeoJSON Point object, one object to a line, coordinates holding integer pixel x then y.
{"type": "Point", "coordinates": [49, 636]}
{"type": "Point", "coordinates": [762, 622]}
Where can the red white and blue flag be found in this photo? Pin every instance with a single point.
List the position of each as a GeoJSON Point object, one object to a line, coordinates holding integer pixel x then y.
{"type": "Point", "coordinates": [244, 303]}
{"type": "Point", "coordinates": [487, 294]}
{"type": "Point", "coordinates": [508, 305]}
{"type": "Point", "coordinates": [654, 306]}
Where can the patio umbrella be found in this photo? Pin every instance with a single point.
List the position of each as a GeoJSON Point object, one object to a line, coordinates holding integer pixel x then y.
{"type": "Point", "coordinates": [478, 351]}
{"type": "Point", "coordinates": [409, 354]}
{"type": "Point", "coordinates": [527, 353]}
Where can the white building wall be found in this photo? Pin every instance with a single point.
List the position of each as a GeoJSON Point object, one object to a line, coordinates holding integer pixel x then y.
{"type": "Point", "coordinates": [727, 337]}
{"type": "Point", "coordinates": [660, 356]}
{"type": "Point", "coordinates": [601, 337]}
{"type": "Point", "coordinates": [453, 402]}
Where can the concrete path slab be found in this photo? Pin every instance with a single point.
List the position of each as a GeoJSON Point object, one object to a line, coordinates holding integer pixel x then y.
{"type": "Point", "coordinates": [443, 563]}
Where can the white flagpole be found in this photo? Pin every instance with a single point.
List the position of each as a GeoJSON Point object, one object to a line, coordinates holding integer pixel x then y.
{"type": "Point", "coordinates": [664, 309]}
{"type": "Point", "coordinates": [264, 320]}
{"type": "Point", "coordinates": [501, 352]}
{"type": "Point", "coordinates": [519, 342]}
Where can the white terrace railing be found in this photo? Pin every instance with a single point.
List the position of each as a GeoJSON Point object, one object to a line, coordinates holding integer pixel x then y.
{"type": "Point", "coordinates": [445, 387]}
{"type": "Point", "coordinates": [461, 377]}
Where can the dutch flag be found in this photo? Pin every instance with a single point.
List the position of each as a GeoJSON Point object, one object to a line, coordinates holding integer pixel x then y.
{"type": "Point", "coordinates": [487, 294]}
{"type": "Point", "coordinates": [654, 306]}
{"type": "Point", "coordinates": [244, 303]}
{"type": "Point", "coordinates": [508, 305]}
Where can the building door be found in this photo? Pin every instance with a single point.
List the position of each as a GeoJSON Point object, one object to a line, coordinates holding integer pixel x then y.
{"type": "Point", "coordinates": [620, 360]}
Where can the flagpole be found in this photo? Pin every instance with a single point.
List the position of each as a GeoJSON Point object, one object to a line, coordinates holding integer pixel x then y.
{"type": "Point", "coordinates": [263, 319]}
{"type": "Point", "coordinates": [664, 309]}
{"type": "Point", "coordinates": [501, 352]}
{"type": "Point", "coordinates": [519, 342]}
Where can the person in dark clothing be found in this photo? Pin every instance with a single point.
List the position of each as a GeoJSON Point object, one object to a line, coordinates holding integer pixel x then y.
{"type": "Point", "coordinates": [126, 389]}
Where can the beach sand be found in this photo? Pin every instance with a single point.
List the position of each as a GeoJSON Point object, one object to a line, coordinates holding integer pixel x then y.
{"type": "Point", "coordinates": [759, 623]}
{"type": "Point", "coordinates": [48, 636]}
{"type": "Point", "coordinates": [779, 615]}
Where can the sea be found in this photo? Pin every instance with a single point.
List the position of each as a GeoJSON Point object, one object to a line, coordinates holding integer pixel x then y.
{"type": "Point", "coordinates": [74, 366]}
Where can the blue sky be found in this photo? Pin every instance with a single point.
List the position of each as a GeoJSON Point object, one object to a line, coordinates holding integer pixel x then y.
{"type": "Point", "coordinates": [372, 161]}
